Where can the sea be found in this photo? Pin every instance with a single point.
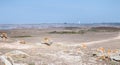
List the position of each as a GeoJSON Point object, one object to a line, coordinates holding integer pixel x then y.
{"type": "Point", "coordinates": [52, 25]}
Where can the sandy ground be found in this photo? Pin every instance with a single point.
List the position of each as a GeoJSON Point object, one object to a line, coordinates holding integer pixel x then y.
{"type": "Point", "coordinates": [43, 54]}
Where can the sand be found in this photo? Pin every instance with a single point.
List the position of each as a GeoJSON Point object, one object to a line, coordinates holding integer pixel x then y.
{"type": "Point", "coordinates": [61, 43]}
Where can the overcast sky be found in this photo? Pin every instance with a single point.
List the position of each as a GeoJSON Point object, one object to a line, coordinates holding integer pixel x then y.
{"type": "Point", "coordinates": [59, 11]}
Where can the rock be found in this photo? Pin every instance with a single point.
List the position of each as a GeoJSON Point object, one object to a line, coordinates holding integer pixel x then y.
{"type": "Point", "coordinates": [115, 56]}
{"type": "Point", "coordinates": [48, 44]}
{"type": "Point", "coordinates": [47, 41]}
{"type": "Point", "coordinates": [5, 60]}
{"type": "Point", "coordinates": [22, 42]}
{"type": "Point", "coordinates": [17, 54]}
{"type": "Point", "coordinates": [94, 55]}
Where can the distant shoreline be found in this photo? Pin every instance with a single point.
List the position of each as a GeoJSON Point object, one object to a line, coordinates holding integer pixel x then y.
{"type": "Point", "coordinates": [55, 25]}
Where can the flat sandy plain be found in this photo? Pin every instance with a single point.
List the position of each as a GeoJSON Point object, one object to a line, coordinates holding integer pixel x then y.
{"type": "Point", "coordinates": [63, 42]}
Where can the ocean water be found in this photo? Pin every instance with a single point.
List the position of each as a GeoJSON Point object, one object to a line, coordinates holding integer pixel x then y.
{"type": "Point", "coordinates": [49, 25]}
{"type": "Point", "coordinates": [39, 26]}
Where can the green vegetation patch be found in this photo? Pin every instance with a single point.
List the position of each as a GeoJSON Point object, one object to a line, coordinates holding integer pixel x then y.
{"type": "Point", "coordinates": [21, 36]}
{"type": "Point", "coordinates": [31, 64]}
{"type": "Point", "coordinates": [104, 29]}
{"type": "Point", "coordinates": [113, 63]}
{"type": "Point", "coordinates": [68, 32]}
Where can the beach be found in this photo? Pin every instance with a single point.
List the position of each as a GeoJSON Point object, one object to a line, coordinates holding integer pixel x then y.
{"type": "Point", "coordinates": [65, 40]}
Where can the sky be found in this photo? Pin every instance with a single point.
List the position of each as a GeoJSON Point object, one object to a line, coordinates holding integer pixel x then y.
{"type": "Point", "coordinates": [59, 11]}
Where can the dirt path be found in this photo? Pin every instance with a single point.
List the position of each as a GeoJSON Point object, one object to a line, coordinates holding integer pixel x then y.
{"type": "Point", "coordinates": [102, 41]}
{"type": "Point", "coordinates": [96, 42]}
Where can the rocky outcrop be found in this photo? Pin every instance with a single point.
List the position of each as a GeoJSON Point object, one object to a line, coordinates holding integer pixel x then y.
{"type": "Point", "coordinates": [9, 58]}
